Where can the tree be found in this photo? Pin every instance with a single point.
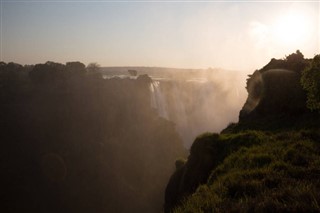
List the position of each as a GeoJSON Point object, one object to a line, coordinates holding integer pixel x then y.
{"type": "Point", "coordinates": [133, 72]}
{"type": "Point", "coordinates": [48, 72]}
{"type": "Point", "coordinates": [93, 67]}
{"type": "Point", "coordinates": [296, 62]}
{"type": "Point", "coordinates": [310, 81]}
{"type": "Point", "coordinates": [297, 56]}
{"type": "Point", "coordinates": [76, 68]}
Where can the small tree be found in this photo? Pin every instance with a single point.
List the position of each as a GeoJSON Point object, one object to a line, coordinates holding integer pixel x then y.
{"type": "Point", "coordinates": [93, 67]}
{"type": "Point", "coordinates": [133, 72]}
{"type": "Point", "coordinates": [310, 81]}
{"type": "Point", "coordinates": [76, 67]}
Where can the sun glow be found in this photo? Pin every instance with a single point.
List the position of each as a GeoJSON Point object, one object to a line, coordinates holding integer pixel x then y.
{"type": "Point", "coordinates": [292, 28]}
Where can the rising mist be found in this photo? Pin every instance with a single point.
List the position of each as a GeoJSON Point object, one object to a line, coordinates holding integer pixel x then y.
{"type": "Point", "coordinates": [196, 100]}
{"type": "Point", "coordinates": [79, 139]}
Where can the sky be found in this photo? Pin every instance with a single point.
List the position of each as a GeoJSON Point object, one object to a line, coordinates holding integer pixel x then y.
{"type": "Point", "coordinates": [237, 35]}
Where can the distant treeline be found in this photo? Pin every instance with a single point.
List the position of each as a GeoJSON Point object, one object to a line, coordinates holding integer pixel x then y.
{"type": "Point", "coordinates": [72, 141]}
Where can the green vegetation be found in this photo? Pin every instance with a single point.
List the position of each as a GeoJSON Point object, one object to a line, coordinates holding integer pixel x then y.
{"type": "Point", "coordinates": [263, 172]}
{"type": "Point", "coordinates": [311, 83]}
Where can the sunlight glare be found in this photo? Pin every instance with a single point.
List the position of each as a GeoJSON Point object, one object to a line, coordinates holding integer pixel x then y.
{"type": "Point", "coordinates": [291, 29]}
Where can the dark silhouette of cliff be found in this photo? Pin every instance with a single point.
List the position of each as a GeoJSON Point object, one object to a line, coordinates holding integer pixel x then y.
{"type": "Point", "coordinates": [75, 142]}
{"type": "Point", "coordinates": [275, 89]}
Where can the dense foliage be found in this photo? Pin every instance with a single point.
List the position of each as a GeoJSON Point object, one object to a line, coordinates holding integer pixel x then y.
{"type": "Point", "coordinates": [72, 141]}
{"type": "Point", "coordinates": [311, 83]}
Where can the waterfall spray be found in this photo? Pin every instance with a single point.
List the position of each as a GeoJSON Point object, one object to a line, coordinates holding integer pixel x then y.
{"type": "Point", "coordinates": [158, 101]}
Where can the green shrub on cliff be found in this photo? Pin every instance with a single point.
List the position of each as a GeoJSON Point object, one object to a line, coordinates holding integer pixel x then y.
{"type": "Point", "coordinates": [207, 152]}
{"type": "Point", "coordinates": [310, 81]}
{"type": "Point", "coordinates": [279, 174]}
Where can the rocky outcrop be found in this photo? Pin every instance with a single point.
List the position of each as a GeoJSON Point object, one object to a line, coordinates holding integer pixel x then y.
{"type": "Point", "coordinates": [203, 158]}
{"type": "Point", "coordinates": [273, 92]}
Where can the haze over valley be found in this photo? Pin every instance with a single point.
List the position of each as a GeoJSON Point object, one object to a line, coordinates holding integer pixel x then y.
{"type": "Point", "coordinates": [196, 100]}
{"type": "Point", "coordinates": [159, 106]}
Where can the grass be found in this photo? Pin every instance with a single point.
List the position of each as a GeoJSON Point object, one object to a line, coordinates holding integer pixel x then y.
{"type": "Point", "coordinates": [261, 172]}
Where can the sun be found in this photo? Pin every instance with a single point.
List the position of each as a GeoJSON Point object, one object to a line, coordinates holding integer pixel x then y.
{"type": "Point", "coordinates": [291, 29]}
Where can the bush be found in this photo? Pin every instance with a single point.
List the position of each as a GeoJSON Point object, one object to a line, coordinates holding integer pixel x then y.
{"type": "Point", "coordinates": [310, 81]}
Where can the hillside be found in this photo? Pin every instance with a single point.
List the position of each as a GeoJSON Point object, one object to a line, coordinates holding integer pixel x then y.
{"type": "Point", "coordinates": [268, 161]}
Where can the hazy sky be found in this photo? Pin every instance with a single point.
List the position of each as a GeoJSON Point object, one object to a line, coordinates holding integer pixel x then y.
{"type": "Point", "coordinates": [238, 35]}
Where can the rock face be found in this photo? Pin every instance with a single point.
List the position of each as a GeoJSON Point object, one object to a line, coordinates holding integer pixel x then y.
{"type": "Point", "coordinates": [203, 157]}
{"type": "Point", "coordinates": [273, 92]}
{"type": "Point", "coordinates": [276, 89]}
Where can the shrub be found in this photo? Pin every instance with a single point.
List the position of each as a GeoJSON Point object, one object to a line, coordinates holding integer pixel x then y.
{"type": "Point", "coordinates": [310, 81]}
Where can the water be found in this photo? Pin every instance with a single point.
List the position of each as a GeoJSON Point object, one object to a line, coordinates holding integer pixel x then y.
{"type": "Point", "coordinates": [158, 101]}
{"type": "Point", "coordinates": [196, 104]}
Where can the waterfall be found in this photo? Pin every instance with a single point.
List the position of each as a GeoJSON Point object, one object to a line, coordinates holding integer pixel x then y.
{"type": "Point", "coordinates": [194, 106]}
{"type": "Point", "coordinates": [170, 104]}
{"type": "Point", "coordinates": [179, 115]}
{"type": "Point", "coordinates": [158, 101]}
